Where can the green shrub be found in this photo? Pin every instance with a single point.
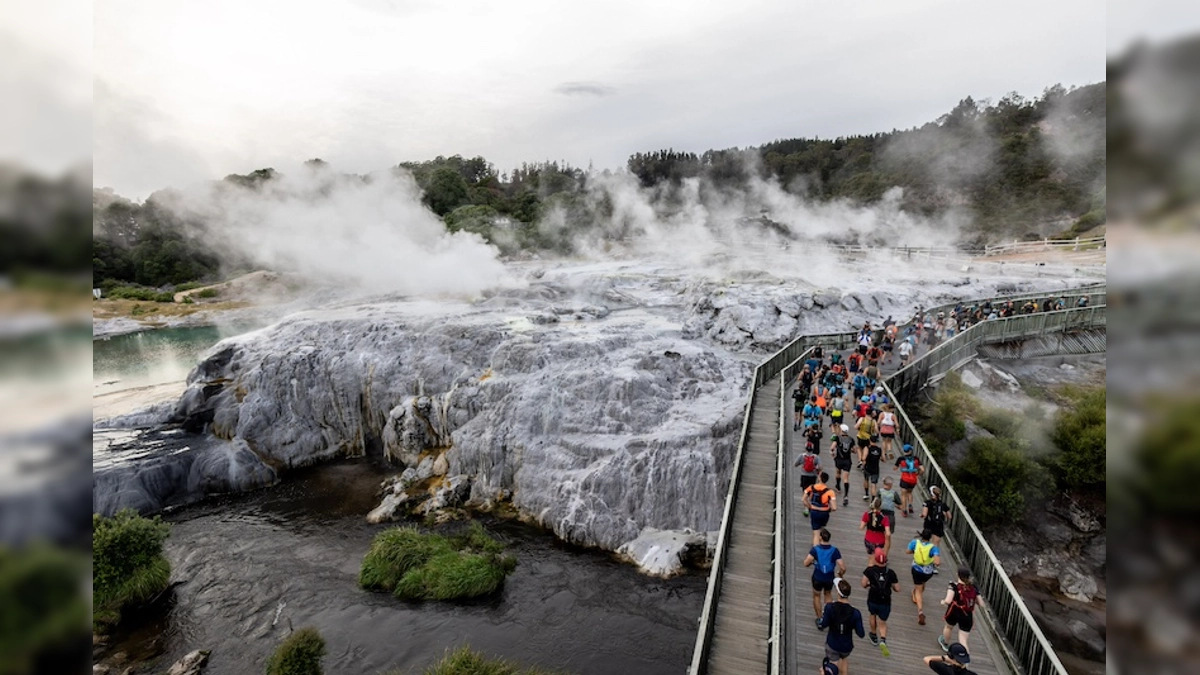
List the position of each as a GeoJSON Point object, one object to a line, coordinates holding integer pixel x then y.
{"type": "Point", "coordinates": [465, 661]}
{"type": "Point", "coordinates": [128, 566]}
{"type": "Point", "coordinates": [188, 286]}
{"type": "Point", "coordinates": [415, 566]}
{"type": "Point", "coordinates": [1081, 436]}
{"type": "Point", "coordinates": [999, 422]}
{"type": "Point", "coordinates": [299, 654]}
{"type": "Point", "coordinates": [42, 606]}
{"type": "Point", "coordinates": [207, 293]}
{"type": "Point", "coordinates": [1166, 467]}
{"type": "Point", "coordinates": [997, 480]}
{"type": "Point", "coordinates": [139, 293]}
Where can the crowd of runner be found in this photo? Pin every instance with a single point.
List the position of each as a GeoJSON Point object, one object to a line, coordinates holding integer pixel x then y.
{"type": "Point", "coordinates": [844, 397]}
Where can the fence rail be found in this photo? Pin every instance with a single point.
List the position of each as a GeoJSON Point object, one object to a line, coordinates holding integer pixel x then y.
{"type": "Point", "coordinates": [1021, 246]}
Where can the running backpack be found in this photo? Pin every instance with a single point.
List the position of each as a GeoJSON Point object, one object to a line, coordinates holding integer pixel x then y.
{"type": "Point", "coordinates": [965, 596]}
{"type": "Point", "coordinates": [879, 582]}
{"type": "Point", "coordinates": [936, 515]}
{"type": "Point", "coordinates": [825, 564]}
{"type": "Point", "coordinates": [842, 625]}
{"type": "Point", "coordinates": [814, 499]}
{"type": "Point", "coordinates": [810, 462]}
{"type": "Point", "coordinates": [910, 465]}
{"type": "Point", "coordinates": [923, 553]}
{"type": "Point", "coordinates": [875, 522]}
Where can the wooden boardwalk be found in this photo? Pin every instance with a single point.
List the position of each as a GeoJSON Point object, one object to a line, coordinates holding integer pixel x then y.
{"type": "Point", "coordinates": [743, 610]}
{"type": "Point", "coordinates": [908, 641]}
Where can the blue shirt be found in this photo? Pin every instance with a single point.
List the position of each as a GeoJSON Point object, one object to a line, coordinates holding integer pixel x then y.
{"type": "Point", "coordinates": [828, 555]}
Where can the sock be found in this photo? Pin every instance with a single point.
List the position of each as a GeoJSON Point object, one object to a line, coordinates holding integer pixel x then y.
{"type": "Point", "coordinates": [847, 493]}
{"type": "Point", "coordinates": [839, 485]}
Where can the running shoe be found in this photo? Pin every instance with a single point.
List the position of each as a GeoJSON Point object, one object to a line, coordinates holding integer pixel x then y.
{"type": "Point", "coordinates": [846, 501]}
{"type": "Point", "coordinates": [805, 513]}
{"type": "Point", "coordinates": [883, 648]}
{"type": "Point", "coordinates": [874, 639]}
{"type": "Point", "coordinates": [942, 642]}
{"type": "Point", "coordinates": [818, 622]}
{"type": "Point", "coordinates": [921, 618]}
{"type": "Point", "coordinates": [866, 497]}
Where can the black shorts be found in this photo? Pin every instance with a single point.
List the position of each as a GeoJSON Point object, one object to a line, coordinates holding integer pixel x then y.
{"type": "Point", "coordinates": [878, 610]}
{"type": "Point", "coordinates": [806, 481]}
{"type": "Point", "coordinates": [964, 620]}
{"type": "Point", "coordinates": [871, 547]}
{"type": "Point", "coordinates": [887, 348]}
{"type": "Point", "coordinates": [938, 529]}
{"type": "Point", "coordinates": [891, 516]}
{"type": "Point", "coordinates": [862, 350]}
{"type": "Point", "coordinates": [920, 578]}
{"type": "Point", "coordinates": [864, 442]}
{"type": "Point", "coordinates": [871, 477]}
{"type": "Point", "coordinates": [842, 464]}
{"type": "Point", "coordinates": [887, 435]}
{"type": "Point", "coordinates": [822, 585]}
{"type": "Point", "coordinates": [819, 519]}
{"type": "Point", "coordinates": [834, 655]}
{"type": "Point", "coordinates": [908, 487]}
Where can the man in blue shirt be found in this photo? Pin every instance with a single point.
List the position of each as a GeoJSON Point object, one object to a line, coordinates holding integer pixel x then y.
{"type": "Point", "coordinates": [826, 561]}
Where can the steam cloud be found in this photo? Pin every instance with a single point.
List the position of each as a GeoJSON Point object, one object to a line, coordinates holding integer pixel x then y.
{"type": "Point", "coordinates": [370, 232]}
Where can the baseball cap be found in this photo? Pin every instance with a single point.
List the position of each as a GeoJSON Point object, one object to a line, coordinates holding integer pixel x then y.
{"type": "Point", "coordinates": [828, 667]}
{"type": "Point", "coordinates": [959, 653]}
{"type": "Point", "coordinates": [907, 448]}
{"type": "Point", "coordinates": [845, 429]}
{"type": "Point", "coordinates": [866, 399]}
{"type": "Point", "coordinates": [880, 557]}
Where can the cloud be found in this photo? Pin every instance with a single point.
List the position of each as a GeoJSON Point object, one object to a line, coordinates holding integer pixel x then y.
{"type": "Point", "coordinates": [585, 89]}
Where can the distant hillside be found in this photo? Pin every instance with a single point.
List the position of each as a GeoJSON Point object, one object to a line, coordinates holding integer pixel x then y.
{"type": "Point", "coordinates": [1012, 166]}
{"type": "Point", "coordinates": [1006, 169]}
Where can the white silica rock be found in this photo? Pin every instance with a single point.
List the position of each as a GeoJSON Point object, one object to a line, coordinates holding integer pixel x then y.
{"type": "Point", "coordinates": [661, 553]}
{"type": "Point", "coordinates": [621, 414]}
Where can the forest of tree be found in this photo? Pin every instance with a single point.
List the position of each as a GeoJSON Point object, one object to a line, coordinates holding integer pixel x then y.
{"type": "Point", "coordinates": [1014, 166]}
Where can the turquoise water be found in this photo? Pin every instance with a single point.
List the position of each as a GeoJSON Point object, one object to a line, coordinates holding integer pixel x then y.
{"type": "Point", "coordinates": [154, 357]}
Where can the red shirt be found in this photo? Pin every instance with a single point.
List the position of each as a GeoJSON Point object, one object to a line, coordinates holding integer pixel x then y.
{"type": "Point", "coordinates": [872, 536]}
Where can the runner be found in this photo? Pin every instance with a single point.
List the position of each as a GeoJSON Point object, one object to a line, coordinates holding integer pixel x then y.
{"type": "Point", "coordinates": [880, 582]}
{"type": "Point", "coordinates": [889, 499]}
{"type": "Point", "coordinates": [798, 396]}
{"type": "Point", "coordinates": [859, 385]}
{"type": "Point", "coordinates": [951, 325]}
{"type": "Point", "coordinates": [837, 408]}
{"type": "Point", "coordinates": [952, 663]}
{"type": "Point", "coordinates": [812, 412]}
{"type": "Point", "coordinates": [864, 338]}
{"type": "Point", "coordinates": [961, 600]}
{"type": "Point", "coordinates": [871, 469]}
{"type": "Point", "coordinates": [874, 526]}
{"type": "Point", "coordinates": [888, 346]}
{"type": "Point", "coordinates": [926, 558]}
{"type": "Point", "coordinates": [842, 620]}
{"type": "Point", "coordinates": [910, 471]}
{"type": "Point", "coordinates": [820, 500]}
{"type": "Point", "coordinates": [865, 427]}
{"type": "Point", "coordinates": [810, 465]}
{"type": "Point", "coordinates": [936, 514]}
{"type": "Point", "coordinates": [841, 449]}
{"type": "Point", "coordinates": [887, 429]}
{"type": "Point", "coordinates": [854, 363]}
{"type": "Point", "coordinates": [874, 354]}
{"type": "Point", "coordinates": [826, 561]}
{"type": "Point", "coordinates": [905, 350]}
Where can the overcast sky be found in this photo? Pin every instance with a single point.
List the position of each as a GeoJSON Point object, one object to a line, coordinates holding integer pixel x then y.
{"type": "Point", "coordinates": [189, 90]}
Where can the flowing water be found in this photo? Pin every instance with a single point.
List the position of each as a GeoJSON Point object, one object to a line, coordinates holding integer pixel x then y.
{"type": "Point", "coordinates": [249, 568]}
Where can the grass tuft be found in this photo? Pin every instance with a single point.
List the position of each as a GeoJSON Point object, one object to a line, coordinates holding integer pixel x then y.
{"type": "Point", "coordinates": [299, 654]}
{"type": "Point", "coordinates": [416, 566]}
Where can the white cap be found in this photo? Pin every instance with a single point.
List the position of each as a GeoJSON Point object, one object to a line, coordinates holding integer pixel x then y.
{"type": "Point", "coordinates": [845, 429]}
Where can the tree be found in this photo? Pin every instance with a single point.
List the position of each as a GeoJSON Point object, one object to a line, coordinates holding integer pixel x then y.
{"type": "Point", "coordinates": [445, 191]}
